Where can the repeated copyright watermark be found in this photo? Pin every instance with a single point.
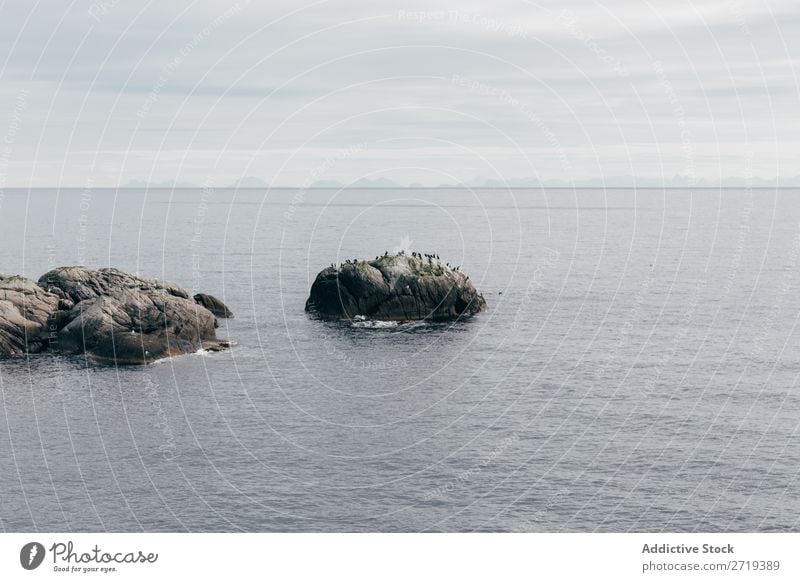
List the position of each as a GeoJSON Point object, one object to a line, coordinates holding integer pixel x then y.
{"type": "Point", "coordinates": [10, 138]}
{"type": "Point", "coordinates": [524, 107]}
{"type": "Point", "coordinates": [464, 478]}
{"type": "Point", "coordinates": [167, 447]}
{"type": "Point", "coordinates": [318, 172]}
{"type": "Point", "coordinates": [570, 21]}
{"type": "Point", "coordinates": [169, 70]}
{"type": "Point", "coordinates": [198, 223]}
{"type": "Point", "coordinates": [465, 19]}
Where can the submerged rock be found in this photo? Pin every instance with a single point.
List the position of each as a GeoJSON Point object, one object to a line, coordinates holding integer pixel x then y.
{"type": "Point", "coordinates": [122, 318]}
{"type": "Point", "coordinates": [26, 314]}
{"type": "Point", "coordinates": [214, 305]}
{"type": "Point", "coordinates": [394, 288]}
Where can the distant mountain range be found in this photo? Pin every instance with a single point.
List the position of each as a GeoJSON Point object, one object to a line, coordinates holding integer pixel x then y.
{"type": "Point", "coordinates": [249, 182]}
{"type": "Point", "coordinates": [360, 183]}
{"type": "Point", "coordinates": [676, 181]}
{"type": "Point", "coordinates": [163, 184]}
{"type": "Point", "coordinates": [639, 182]}
{"type": "Point", "coordinates": [246, 182]}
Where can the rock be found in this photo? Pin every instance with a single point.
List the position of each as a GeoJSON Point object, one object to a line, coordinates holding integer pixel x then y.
{"type": "Point", "coordinates": [214, 305]}
{"type": "Point", "coordinates": [394, 287]}
{"type": "Point", "coordinates": [26, 313]}
{"type": "Point", "coordinates": [79, 283]}
{"type": "Point", "coordinates": [121, 318]}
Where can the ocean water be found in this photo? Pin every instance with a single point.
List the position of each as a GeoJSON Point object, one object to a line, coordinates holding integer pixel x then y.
{"type": "Point", "coordinates": [637, 369]}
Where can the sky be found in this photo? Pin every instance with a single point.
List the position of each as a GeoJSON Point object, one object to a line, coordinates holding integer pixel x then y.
{"type": "Point", "coordinates": [105, 92]}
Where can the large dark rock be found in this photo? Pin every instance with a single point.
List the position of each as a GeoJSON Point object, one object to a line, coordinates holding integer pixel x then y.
{"type": "Point", "coordinates": [214, 305]}
{"type": "Point", "coordinates": [80, 283]}
{"type": "Point", "coordinates": [394, 287]}
{"type": "Point", "coordinates": [26, 314]}
{"type": "Point", "coordinates": [121, 318]}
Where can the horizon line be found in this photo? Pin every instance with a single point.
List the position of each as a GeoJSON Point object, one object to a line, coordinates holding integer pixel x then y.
{"type": "Point", "coordinates": [454, 187]}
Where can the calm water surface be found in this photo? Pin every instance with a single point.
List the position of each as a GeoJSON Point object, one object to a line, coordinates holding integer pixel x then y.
{"type": "Point", "coordinates": [637, 369]}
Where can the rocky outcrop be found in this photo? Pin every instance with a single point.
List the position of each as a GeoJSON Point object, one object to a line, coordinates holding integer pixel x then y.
{"type": "Point", "coordinates": [114, 316]}
{"type": "Point", "coordinates": [214, 305]}
{"type": "Point", "coordinates": [394, 287]}
{"type": "Point", "coordinates": [26, 311]}
{"type": "Point", "coordinates": [126, 319]}
{"type": "Point", "coordinates": [79, 283]}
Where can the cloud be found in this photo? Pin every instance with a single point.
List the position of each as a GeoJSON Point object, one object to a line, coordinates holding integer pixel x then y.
{"type": "Point", "coordinates": [119, 91]}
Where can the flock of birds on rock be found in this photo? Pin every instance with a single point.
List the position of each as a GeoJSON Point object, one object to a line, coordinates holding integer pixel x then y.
{"type": "Point", "coordinates": [415, 255]}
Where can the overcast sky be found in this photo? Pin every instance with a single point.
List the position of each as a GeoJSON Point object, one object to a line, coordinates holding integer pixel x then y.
{"type": "Point", "coordinates": [101, 93]}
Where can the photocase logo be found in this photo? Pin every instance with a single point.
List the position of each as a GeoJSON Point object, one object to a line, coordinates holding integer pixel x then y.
{"type": "Point", "coordinates": [31, 555]}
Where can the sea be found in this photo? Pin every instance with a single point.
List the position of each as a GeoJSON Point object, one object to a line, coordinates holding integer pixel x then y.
{"type": "Point", "coordinates": [636, 370]}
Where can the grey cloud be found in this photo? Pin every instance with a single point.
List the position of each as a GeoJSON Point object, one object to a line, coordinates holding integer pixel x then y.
{"type": "Point", "coordinates": [197, 77]}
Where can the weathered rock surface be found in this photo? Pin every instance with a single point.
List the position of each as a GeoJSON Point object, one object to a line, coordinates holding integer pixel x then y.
{"type": "Point", "coordinates": [26, 311]}
{"type": "Point", "coordinates": [80, 283]}
{"type": "Point", "coordinates": [214, 305]}
{"type": "Point", "coordinates": [114, 316]}
{"type": "Point", "coordinates": [125, 319]}
{"type": "Point", "coordinates": [394, 287]}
